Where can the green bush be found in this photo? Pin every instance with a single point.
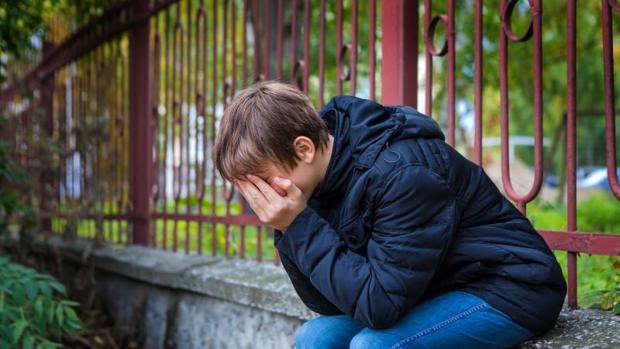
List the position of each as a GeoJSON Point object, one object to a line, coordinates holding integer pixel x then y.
{"type": "Point", "coordinates": [10, 203]}
{"type": "Point", "coordinates": [598, 279]}
{"type": "Point", "coordinates": [599, 213]}
{"type": "Point", "coordinates": [33, 310]}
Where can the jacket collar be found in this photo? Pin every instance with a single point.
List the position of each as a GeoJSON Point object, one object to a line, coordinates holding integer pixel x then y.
{"type": "Point", "coordinates": [361, 128]}
{"type": "Point", "coordinates": [339, 168]}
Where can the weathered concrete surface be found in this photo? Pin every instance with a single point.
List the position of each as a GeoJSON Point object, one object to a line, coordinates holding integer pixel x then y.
{"type": "Point", "coordinates": [174, 300]}
{"type": "Point", "coordinates": [581, 329]}
{"type": "Point", "coordinates": [247, 282]}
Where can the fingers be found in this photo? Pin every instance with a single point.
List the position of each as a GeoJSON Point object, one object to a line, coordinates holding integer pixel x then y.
{"type": "Point", "coordinates": [279, 212]}
{"type": "Point", "coordinates": [254, 196]}
{"type": "Point", "coordinates": [270, 194]}
{"type": "Point", "coordinates": [288, 186]}
{"type": "Point", "coordinates": [278, 189]}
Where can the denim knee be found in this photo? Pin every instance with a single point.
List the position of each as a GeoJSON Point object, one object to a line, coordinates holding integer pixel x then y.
{"type": "Point", "coordinates": [305, 336]}
{"type": "Point", "coordinates": [314, 334]}
{"type": "Point", "coordinates": [327, 332]}
{"type": "Point", "coordinates": [369, 340]}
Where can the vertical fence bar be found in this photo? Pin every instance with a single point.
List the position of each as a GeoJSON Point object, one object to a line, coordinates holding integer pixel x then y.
{"type": "Point", "coordinates": [478, 71]}
{"type": "Point", "coordinates": [372, 47]}
{"type": "Point", "coordinates": [226, 194]}
{"type": "Point", "coordinates": [159, 186]}
{"type": "Point", "coordinates": [571, 146]}
{"type": "Point", "coordinates": [451, 74]}
{"type": "Point", "coordinates": [267, 38]}
{"type": "Point", "coordinates": [279, 38]}
{"type": "Point", "coordinates": [306, 65]}
{"type": "Point", "coordinates": [141, 164]}
{"type": "Point", "coordinates": [256, 71]}
{"type": "Point", "coordinates": [166, 124]}
{"type": "Point", "coordinates": [201, 101]}
{"type": "Point", "coordinates": [322, 54]}
{"type": "Point", "coordinates": [47, 128]}
{"type": "Point", "coordinates": [428, 60]}
{"type": "Point", "coordinates": [233, 39]}
{"type": "Point", "coordinates": [185, 122]}
{"type": "Point", "coordinates": [506, 33]}
{"type": "Point", "coordinates": [214, 87]}
{"type": "Point", "coordinates": [399, 79]}
{"type": "Point", "coordinates": [610, 105]}
{"type": "Point", "coordinates": [353, 48]}
{"type": "Point", "coordinates": [244, 29]}
{"type": "Point", "coordinates": [293, 57]}
{"type": "Point", "coordinates": [177, 103]}
{"type": "Point", "coordinates": [339, 12]}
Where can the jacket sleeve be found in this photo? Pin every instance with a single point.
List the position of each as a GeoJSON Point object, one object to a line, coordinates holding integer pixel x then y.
{"type": "Point", "coordinates": [415, 214]}
{"type": "Point", "coordinates": [308, 294]}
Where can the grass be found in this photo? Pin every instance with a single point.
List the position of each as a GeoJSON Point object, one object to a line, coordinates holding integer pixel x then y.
{"type": "Point", "coordinates": [598, 276]}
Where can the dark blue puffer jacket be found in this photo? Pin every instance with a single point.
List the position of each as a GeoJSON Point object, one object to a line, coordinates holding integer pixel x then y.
{"type": "Point", "coordinates": [401, 217]}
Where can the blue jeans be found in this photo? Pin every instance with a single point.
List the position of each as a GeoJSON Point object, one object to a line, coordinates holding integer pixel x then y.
{"type": "Point", "coordinates": [456, 319]}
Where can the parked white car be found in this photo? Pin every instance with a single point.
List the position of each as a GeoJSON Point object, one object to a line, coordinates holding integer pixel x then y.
{"type": "Point", "coordinates": [594, 177]}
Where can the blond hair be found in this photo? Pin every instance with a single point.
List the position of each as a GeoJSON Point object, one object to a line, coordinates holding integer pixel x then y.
{"type": "Point", "coordinates": [260, 124]}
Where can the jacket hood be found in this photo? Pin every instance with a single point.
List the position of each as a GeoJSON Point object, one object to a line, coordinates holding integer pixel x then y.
{"type": "Point", "coordinates": [361, 128]}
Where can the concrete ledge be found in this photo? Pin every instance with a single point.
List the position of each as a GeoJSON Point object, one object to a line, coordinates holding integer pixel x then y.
{"type": "Point", "coordinates": [247, 282]}
{"type": "Point", "coordinates": [191, 301]}
{"type": "Point", "coordinates": [581, 328]}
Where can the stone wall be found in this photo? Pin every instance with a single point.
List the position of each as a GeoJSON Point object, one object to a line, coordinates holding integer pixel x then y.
{"type": "Point", "coordinates": [173, 300]}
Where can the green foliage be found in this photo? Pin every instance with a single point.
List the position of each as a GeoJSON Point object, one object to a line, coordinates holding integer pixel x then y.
{"type": "Point", "coordinates": [19, 22]}
{"type": "Point", "coordinates": [33, 309]}
{"type": "Point", "coordinates": [10, 203]}
{"type": "Point", "coordinates": [599, 213]}
{"type": "Point", "coordinates": [23, 23]}
{"type": "Point", "coordinates": [610, 300]}
{"type": "Point", "coordinates": [598, 281]}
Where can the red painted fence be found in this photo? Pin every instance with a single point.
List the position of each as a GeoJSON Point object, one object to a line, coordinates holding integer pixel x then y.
{"type": "Point", "coordinates": [133, 101]}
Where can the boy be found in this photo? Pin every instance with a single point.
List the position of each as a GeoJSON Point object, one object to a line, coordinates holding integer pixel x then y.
{"type": "Point", "coordinates": [386, 231]}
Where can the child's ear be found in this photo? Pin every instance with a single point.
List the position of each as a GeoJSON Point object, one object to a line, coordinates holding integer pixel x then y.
{"type": "Point", "coordinates": [305, 148]}
{"type": "Point", "coordinates": [303, 145]}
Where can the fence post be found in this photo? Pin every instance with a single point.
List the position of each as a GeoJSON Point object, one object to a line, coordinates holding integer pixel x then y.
{"type": "Point", "coordinates": [140, 130]}
{"type": "Point", "coordinates": [47, 129]}
{"type": "Point", "coordinates": [399, 64]}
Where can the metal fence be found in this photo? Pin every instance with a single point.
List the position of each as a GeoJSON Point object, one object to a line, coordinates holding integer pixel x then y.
{"type": "Point", "coordinates": [131, 103]}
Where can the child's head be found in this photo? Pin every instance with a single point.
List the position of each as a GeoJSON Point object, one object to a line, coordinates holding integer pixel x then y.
{"type": "Point", "coordinates": [269, 125]}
